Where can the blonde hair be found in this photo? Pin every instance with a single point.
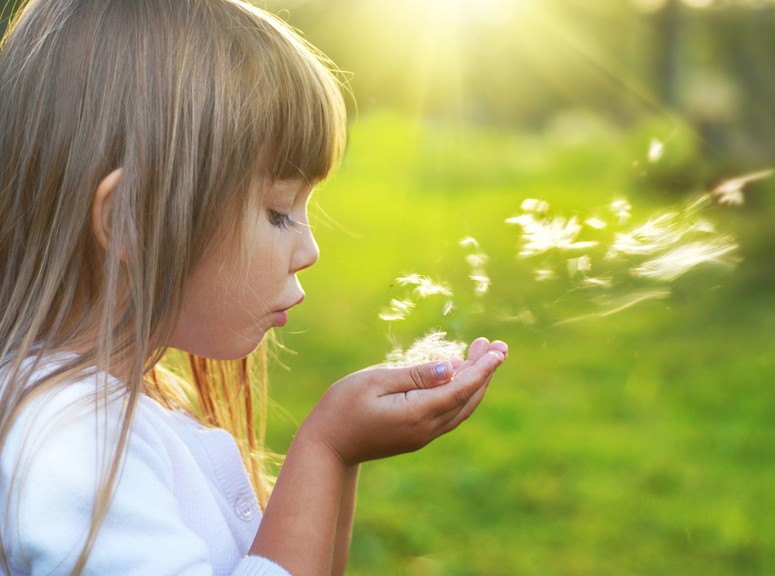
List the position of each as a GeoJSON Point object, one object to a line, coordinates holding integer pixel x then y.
{"type": "Point", "coordinates": [192, 100]}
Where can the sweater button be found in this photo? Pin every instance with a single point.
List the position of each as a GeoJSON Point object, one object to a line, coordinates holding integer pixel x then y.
{"type": "Point", "coordinates": [246, 509]}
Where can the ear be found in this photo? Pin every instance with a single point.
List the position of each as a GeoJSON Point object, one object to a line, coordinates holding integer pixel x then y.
{"type": "Point", "coordinates": [101, 205]}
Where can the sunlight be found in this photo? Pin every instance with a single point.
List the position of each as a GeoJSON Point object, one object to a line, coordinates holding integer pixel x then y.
{"type": "Point", "coordinates": [491, 12]}
{"type": "Point", "coordinates": [649, 5]}
{"type": "Point", "coordinates": [460, 58]}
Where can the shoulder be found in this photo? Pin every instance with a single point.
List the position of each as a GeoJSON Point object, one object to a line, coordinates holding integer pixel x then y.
{"type": "Point", "coordinates": [177, 505]}
{"type": "Point", "coordinates": [72, 428]}
{"type": "Point", "coordinates": [57, 456]}
{"type": "Point", "coordinates": [65, 439]}
{"type": "Point", "coordinates": [64, 417]}
{"type": "Point", "coordinates": [82, 421]}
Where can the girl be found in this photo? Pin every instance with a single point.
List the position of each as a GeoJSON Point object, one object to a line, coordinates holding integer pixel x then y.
{"type": "Point", "coordinates": [157, 161]}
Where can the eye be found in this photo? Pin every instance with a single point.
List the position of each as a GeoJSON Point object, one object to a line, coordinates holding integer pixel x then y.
{"type": "Point", "coordinates": [279, 219]}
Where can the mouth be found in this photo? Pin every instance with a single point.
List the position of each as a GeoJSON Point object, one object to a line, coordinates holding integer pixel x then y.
{"type": "Point", "coordinates": [281, 316]}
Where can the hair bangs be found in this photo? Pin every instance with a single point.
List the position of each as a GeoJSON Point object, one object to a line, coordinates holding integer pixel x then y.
{"type": "Point", "coordinates": [301, 113]}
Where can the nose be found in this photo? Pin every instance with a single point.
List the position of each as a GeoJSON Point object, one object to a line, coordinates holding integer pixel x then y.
{"type": "Point", "coordinates": [307, 252]}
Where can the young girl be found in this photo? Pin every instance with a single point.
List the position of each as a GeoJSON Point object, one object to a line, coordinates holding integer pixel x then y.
{"type": "Point", "coordinates": [157, 158]}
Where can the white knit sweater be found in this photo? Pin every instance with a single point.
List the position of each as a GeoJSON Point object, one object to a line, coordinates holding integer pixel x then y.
{"type": "Point", "coordinates": [183, 504]}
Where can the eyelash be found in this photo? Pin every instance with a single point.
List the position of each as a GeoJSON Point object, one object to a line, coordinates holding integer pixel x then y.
{"type": "Point", "coordinates": [279, 219]}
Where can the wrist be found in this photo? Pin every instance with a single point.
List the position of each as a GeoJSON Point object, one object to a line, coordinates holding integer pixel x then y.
{"type": "Point", "coordinates": [315, 445]}
{"type": "Point", "coordinates": [301, 522]}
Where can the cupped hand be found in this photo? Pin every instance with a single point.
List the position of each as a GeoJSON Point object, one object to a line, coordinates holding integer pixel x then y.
{"type": "Point", "coordinates": [380, 412]}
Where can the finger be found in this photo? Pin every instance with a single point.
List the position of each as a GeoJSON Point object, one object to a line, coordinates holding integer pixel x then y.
{"type": "Point", "coordinates": [416, 377]}
{"type": "Point", "coordinates": [478, 348]}
{"type": "Point", "coordinates": [501, 347]}
{"type": "Point", "coordinates": [456, 417]}
{"type": "Point", "coordinates": [498, 359]}
{"type": "Point", "coordinates": [459, 391]}
{"type": "Point", "coordinates": [498, 347]}
{"type": "Point", "coordinates": [460, 412]}
{"type": "Point", "coordinates": [457, 363]}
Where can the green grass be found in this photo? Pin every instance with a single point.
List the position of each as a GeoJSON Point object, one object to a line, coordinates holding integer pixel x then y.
{"type": "Point", "coordinates": [638, 444]}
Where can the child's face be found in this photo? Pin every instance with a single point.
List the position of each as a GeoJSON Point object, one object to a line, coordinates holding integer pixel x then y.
{"type": "Point", "coordinates": [231, 300]}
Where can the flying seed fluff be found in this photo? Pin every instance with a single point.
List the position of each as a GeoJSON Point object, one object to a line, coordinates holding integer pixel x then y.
{"type": "Point", "coordinates": [195, 101]}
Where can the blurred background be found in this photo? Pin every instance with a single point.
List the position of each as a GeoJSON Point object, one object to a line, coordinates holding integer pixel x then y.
{"type": "Point", "coordinates": [639, 442]}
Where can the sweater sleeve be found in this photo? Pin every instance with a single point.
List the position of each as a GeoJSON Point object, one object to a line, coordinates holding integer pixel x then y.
{"type": "Point", "coordinates": [49, 473]}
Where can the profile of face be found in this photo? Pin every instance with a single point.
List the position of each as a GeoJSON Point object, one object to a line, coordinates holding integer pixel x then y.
{"type": "Point", "coordinates": [232, 300]}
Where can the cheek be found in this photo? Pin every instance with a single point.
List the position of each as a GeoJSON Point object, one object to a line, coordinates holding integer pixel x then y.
{"type": "Point", "coordinates": [261, 269]}
{"type": "Point", "coordinates": [220, 319]}
{"type": "Point", "coordinates": [242, 291]}
{"type": "Point", "coordinates": [232, 284]}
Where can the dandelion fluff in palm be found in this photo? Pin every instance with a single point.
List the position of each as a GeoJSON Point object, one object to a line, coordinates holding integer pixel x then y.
{"type": "Point", "coordinates": [431, 347]}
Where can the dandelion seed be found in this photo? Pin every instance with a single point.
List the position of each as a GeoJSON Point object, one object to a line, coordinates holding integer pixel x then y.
{"type": "Point", "coordinates": [700, 202]}
{"type": "Point", "coordinates": [615, 305]}
{"type": "Point", "coordinates": [535, 206]}
{"type": "Point", "coordinates": [411, 280]}
{"type": "Point", "coordinates": [431, 347]}
{"type": "Point", "coordinates": [477, 260]}
{"type": "Point", "coordinates": [424, 287]}
{"type": "Point", "coordinates": [478, 274]}
{"type": "Point", "coordinates": [391, 316]}
{"type": "Point", "coordinates": [678, 261]}
{"type": "Point", "coordinates": [621, 209]}
{"type": "Point", "coordinates": [402, 305]}
{"type": "Point", "coordinates": [730, 192]}
{"type": "Point", "coordinates": [580, 265]}
{"type": "Point", "coordinates": [595, 223]}
{"type": "Point", "coordinates": [558, 233]}
{"type": "Point", "coordinates": [597, 283]}
{"type": "Point", "coordinates": [542, 274]}
{"type": "Point", "coordinates": [630, 244]}
{"type": "Point", "coordinates": [656, 150]}
{"type": "Point", "coordinates": [398, 310]}
{"type": "Point", "coordinates": [428, 288]}
{"type": "Point", "coordinates": [730, 196]}
{"type": "Point", "coordinates": [482, 284]}
{"type": "Point", "coordinates": [703, 227]}
{"type": "Point", "coordinates": [522, 220]}
{"type": "Point", "coordinates": [653, 236]}
{"type": "Point", "coordinates": [449, 308]}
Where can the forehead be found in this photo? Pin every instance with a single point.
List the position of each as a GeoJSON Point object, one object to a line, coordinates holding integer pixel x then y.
{"type": "Point", "coordinates": [278, 190]}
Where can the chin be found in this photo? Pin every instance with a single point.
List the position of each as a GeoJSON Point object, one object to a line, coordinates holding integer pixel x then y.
{"type": "Point", "coordinates": [236, 351]}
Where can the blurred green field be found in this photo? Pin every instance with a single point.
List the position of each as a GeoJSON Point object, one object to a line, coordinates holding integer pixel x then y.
{"type": "Point", "coordinates": [638, 444]}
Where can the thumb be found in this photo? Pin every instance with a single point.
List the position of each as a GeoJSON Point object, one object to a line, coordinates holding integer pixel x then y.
{"type": "Point", "coordinates": [418, 376]}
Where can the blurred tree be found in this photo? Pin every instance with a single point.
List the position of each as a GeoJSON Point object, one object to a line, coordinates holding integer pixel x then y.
{"type": "Point", "coordinates": [521, 63]}
{"type": "Point", "coordinates": [747, 57]}
{"type": "Point", "coordinates": [524, 64]}
{"type": "Point", "coordinates": [667, 55]}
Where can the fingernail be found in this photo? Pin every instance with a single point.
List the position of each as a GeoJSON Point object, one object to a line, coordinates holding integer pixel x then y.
{"type": "Point", "coordinates": [441, 370]}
